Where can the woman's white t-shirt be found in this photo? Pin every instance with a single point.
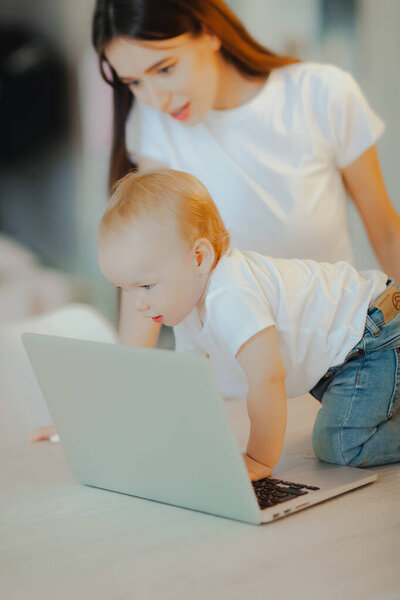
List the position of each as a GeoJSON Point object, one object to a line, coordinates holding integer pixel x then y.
{"type": "Point", "coordinates": [319, 311]}
{"type": "Point", "coordinates": [271, 165]}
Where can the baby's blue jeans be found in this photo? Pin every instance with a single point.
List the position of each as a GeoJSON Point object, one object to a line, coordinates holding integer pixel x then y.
{"type": "Point", "coordinates": [359, 421]}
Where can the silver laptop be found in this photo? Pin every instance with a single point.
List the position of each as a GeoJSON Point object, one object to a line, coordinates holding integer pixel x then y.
{"type": "Point", "coordinates": [152, 424]}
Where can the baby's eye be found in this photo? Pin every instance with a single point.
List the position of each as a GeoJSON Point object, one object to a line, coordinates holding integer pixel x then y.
{"type": "Point", "coordinates": [166, 70]}
{"type": "Point", "coordinates": [148, 286]}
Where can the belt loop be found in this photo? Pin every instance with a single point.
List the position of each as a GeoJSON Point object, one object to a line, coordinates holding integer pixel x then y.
{"type": "Point", "coordinates": [372, 327]}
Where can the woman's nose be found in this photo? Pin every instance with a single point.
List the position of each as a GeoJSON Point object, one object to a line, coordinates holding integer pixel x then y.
{"type": "Point", "coordinates": [156, 98]}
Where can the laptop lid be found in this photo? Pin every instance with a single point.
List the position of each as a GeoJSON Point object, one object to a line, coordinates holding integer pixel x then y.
{"type": "Point", "coordinates": [150, 423]}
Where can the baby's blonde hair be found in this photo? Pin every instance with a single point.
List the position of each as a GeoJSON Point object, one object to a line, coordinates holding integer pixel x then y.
{"type": "Point", "coordinates": [166, 191]}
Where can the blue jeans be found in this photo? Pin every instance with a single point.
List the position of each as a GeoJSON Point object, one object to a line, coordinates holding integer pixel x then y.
{"type": "Point", "coordinates": [359, 421]}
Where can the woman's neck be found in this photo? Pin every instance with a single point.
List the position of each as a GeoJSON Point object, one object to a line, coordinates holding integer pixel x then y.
{"type": "Point", "coordinates": [234, 88]}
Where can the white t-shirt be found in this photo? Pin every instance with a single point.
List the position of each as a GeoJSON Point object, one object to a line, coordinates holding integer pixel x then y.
{"type": "Point", "coordinates": [318, 309]}
{"type": "Point", "coordinates": [271, 165]}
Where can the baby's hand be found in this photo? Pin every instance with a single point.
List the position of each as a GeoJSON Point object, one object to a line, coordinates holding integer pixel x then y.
{"type": "Point", "coordinates": [45, 433]}
{"type": "Point", "coordinates": [255, 469]}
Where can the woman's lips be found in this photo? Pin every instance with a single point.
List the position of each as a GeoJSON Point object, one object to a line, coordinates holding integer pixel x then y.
{"type": "Point", "coordinates": [181, 114]}
{"type": "Point", "coordinates": [157, 319]}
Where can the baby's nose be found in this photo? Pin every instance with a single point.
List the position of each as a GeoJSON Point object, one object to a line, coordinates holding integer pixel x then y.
{"type": "Point", "coordinates": [140, 304]}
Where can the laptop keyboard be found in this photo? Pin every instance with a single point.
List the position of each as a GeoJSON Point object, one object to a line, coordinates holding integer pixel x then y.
{"type": "Point", "coordinates": [271, 491]}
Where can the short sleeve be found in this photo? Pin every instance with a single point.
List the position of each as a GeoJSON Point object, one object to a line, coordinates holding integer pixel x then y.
{"type": "Point", "coordinates": [146, 134]}
{"type": "Point", "coordinates": [235, 314]}
{"type": "Point", "coordinates": [346, 119]}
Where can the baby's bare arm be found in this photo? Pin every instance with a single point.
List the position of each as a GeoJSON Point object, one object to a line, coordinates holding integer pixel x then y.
{"type": "Point", "coordinates": [261, 361]}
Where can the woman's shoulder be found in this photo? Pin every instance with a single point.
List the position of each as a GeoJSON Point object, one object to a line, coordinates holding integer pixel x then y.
{"type": "Point", "coordinates": [319, 85]}
{"type": "Point", "coordinates": [315, 73]}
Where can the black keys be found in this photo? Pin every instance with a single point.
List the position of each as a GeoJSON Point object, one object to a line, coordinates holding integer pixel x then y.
{"type": "Point", "coordinates": [271, 491]}
{"type": "Point", "coordinates": [299, 485]}
{"type": "Point", "coordinates": [296, 492]}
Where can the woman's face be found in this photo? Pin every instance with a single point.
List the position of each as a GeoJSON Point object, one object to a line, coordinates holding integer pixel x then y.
{"type": "Point", "coordinates": [179, 76]}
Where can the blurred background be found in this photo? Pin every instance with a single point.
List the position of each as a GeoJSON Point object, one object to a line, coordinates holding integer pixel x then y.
{"type": "Point", "coordinates": [55, 115]}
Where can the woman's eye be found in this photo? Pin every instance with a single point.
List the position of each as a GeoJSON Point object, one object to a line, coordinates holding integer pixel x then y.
{"type": "Point", "coordinates": [148, 286]}
{"type": "Point", "coordinates": [132, 83]}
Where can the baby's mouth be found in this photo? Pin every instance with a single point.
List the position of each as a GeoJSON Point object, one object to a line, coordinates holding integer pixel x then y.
{"type": "Point", "coordinates": [157, 319]}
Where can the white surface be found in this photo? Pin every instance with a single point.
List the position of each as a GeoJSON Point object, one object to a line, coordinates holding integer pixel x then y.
{"type": "Point", "coordinates": [60, 539]}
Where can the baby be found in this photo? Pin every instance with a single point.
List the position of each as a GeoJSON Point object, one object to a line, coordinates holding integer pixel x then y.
{"type": "Point", "coordinates": [272, 328]}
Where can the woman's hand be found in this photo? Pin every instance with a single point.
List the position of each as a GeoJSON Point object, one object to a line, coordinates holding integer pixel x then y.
{"type": "Point", "coordinates": [45, 433]}
{"type": "Point", "coordinates": [255, 469]}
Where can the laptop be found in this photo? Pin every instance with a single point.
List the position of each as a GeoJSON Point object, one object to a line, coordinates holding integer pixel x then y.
{"type": "Point", "coordinates": [152, 424]}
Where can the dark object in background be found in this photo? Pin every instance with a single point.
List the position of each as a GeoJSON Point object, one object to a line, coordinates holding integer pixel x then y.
{"type": "Point", "coordinates": [33, 93]}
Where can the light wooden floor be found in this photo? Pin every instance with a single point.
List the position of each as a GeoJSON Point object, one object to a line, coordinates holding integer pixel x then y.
{"type": "Point", "coordinates": [61, 540]}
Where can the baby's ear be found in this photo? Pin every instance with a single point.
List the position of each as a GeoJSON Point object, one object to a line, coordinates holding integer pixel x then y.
{"type": "Point", "coordinates": [204, 255]}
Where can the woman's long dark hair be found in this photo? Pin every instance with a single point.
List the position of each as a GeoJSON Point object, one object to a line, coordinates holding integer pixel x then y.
{"type": "Point", "coordinates": [165, 19]}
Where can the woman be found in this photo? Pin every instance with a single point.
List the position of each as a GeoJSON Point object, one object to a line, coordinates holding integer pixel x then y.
{"type": "Point", "coordinates": [275, 140]}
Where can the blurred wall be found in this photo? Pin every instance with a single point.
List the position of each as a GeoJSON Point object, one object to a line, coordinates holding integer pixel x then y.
{"type": "Point", "coordinates": [66, 22]}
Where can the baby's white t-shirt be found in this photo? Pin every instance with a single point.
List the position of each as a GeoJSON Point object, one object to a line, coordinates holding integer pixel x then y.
{"type": "Point", "coordinates": [319, 311]}
{"type": "Point", "coordinates": [271, 164]}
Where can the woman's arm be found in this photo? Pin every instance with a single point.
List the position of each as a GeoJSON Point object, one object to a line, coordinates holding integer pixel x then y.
{"type": "Point", "coordinates": [133, 329]}
{"type": "Point", "coordinates": [261, 361]}
{"type": "Point", "coordinates": [364, 181]}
